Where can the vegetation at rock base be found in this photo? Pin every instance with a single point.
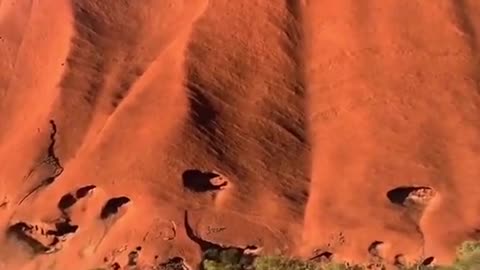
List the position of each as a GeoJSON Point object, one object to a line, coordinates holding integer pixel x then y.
{"type": "Point", "coordinates": [468, 258]}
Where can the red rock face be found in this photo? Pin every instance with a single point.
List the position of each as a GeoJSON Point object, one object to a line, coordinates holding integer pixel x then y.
{"type": "Point", "coordinates": [331, 130]}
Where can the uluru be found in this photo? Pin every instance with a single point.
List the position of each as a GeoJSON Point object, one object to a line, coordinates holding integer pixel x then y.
{"type": "Point", "coordinates": [141, 134]}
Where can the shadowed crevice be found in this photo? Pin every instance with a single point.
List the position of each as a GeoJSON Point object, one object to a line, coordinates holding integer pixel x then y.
{"type": "Point", "coordinates": [67, 201]}
{"type": "Point", "coordinates": [20, 231]}
{"type": "Point", "coordinates": [428, 261]}
{"type": "Point", "coordinates": [52, 160]}
{"type": "Point", "coordinates": [199, 181]}
{"type": "Point", "coordinates": [400, 195]}
{"type": "Point", "coordinates": [39, 239]}
{"type": "Point", "coordinates": [112, 206]}
{"type": "Point", "coordinates": [203, 244]}
{"type": "Point", "coordinates": [62, 228]}
{"type": "Point", "coordinates": [374, 248]}
{"type": "Point", "coordinates": [83, 191]}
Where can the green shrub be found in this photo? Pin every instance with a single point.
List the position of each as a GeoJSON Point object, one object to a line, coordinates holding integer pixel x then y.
{"type": "Point", "coordinates": [280, 263]}
{"type": "Point", "coordinates": [468, 256]}
{"type": "Point", "coordinates": [229, 259]}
